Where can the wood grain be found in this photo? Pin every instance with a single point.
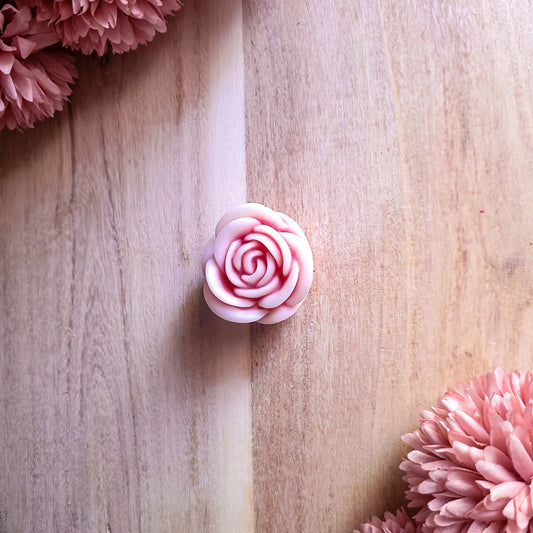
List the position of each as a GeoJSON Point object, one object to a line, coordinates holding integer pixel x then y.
{"type": "Point", "coordinates": [398, 134]}
{"type": "Point", "coordinates": [125, 402]}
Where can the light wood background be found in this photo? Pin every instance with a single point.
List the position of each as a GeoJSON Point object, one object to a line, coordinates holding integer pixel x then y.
{"type": "Point", "coordinates": [399, 134]}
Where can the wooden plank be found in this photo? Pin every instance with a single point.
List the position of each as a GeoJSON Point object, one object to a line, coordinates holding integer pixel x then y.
{"type": "Point", "coordinates": [399, 135]}
{"type": "Point", "coordinates": [125, 402]}
{"type": "Point", "coordinates": [396, 133]}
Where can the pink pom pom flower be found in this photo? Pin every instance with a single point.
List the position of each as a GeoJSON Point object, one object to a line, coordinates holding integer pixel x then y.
{"type": "Point", "coordinates": [34, 78]}
{"type": "Point", "coordinates": [100, 25]}
{"type": "Point", "coordinates": [471, 469]}
{"type": "Point", "coordinates": [392, 523]}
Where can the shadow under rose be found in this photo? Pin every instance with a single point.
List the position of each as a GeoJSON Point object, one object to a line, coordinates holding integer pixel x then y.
{"type": "Point", "coordinates": [206, 351]}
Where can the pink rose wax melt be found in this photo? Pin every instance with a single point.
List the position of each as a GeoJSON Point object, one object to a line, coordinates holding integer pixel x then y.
{"type": "Point", "coordinates": [258, 267]}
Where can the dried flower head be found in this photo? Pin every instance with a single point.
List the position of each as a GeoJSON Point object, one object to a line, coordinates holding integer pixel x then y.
{"type": "Point", "coordinates": [398, 523]}
{"type": "Point", "coordinates": [471, 469]}
{"type": "Point", "coordinates": [34, 78]}
{"type": "Point", "coordinates": [102, 25]}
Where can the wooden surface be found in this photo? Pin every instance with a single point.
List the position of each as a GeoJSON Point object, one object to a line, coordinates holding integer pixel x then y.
{"type": "Point", "coordinates": [398, 134]}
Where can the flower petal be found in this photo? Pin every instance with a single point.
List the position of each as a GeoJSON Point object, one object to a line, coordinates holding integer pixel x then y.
{"type": "Point", "coordinates": [268, 243]}
{"type": "Point", "coordinates": [258, 292]}
{"type": "Point", "coordinates": [301, 252]}
{"type": "Point", "coordinates": [269, 273]}
{"type": "Point", "coordinates": [253, 278]}
{"type": "Point", "coordinates": [243, 249]}
{"type": "Point", "coordinates": [279, 313]}
{"type": "Point", "coordinates": [505, 491]}
{"type": "Point", "coordinates": [219, 287]}
{"type": "Point", "coordinates": [494, 472]}
{"type": "Point", "coordinates": [236, 229]}
{"type": "Point", "coordinates": [522, 462]}
{"type": "Point", "coordinates": [286, 255]}
{"type": "Point", "coordinates": [263, 214]}
{"type": "Point", "coordinates": [249, 261]}
{"type": "Point", "coordinates": [233, 314]}
{"type": "Point", "coordinates": [282, 294]}
{"type": "Point", "coordinates": [472, 427]}
{"type": "Point", "coordinates": [229, 269]}
{"type": "Point", "coordinates": [458, 507]}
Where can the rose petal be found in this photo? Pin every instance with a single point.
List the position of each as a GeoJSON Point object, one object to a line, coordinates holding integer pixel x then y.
{"type": "Point", "coordinates": [293, 226]}
{"type": "Point", "coordinates": [286, 254]}
{"type": "Point", "coordinates": [260, 270]}
{"type": "Point", "coordinates": [233, 231]}
{"type": "Point", "coordinates": [233, 314]}
{"type": "Point", "coordinates": [241, 252]}
{"type": "Point", "coordinates": [260, 212]}
{"type": "Point", "coordinates": [214, 279]}
{"type": "Point", "coordinates": [270, 271]}
{"type": "Point", "coordinates": [282, 294]}
{"type": "Point", "coordinates": [248, 261]}
{"type": "Point", "coordinates": [301, 252]}
{"type": "Point", "coordinates": [208, 252]}
{"type": "Point", "coordinates": [280, 313]}
{"type": "Point", "coordinates": [230, 271]}
{"type": "Point", "coordinates": [258, 292]}
{"type": "Point", "coordinates": [268, 243]}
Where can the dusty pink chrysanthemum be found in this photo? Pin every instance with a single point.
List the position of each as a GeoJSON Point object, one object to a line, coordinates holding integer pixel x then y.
{"type": "Point", "coordinates": [34, 80]}
{"type": "Point", "coordinates": [398, 523]}
{"type": "Point", "coordinates": [100, 25]}
{"type": "Point", "coordinates": [471, 469]}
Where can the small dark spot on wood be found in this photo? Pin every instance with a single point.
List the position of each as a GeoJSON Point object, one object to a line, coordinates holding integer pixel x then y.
{"type": "Point", "coordinates": [511, 264]}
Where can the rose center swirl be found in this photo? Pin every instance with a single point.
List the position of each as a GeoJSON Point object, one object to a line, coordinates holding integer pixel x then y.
{"type": "Point", "coordinates": [254, 265]}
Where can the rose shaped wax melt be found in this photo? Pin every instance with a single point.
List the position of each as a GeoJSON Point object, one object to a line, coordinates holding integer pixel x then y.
{"type": "Point", "coordinates": [258, 267]}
